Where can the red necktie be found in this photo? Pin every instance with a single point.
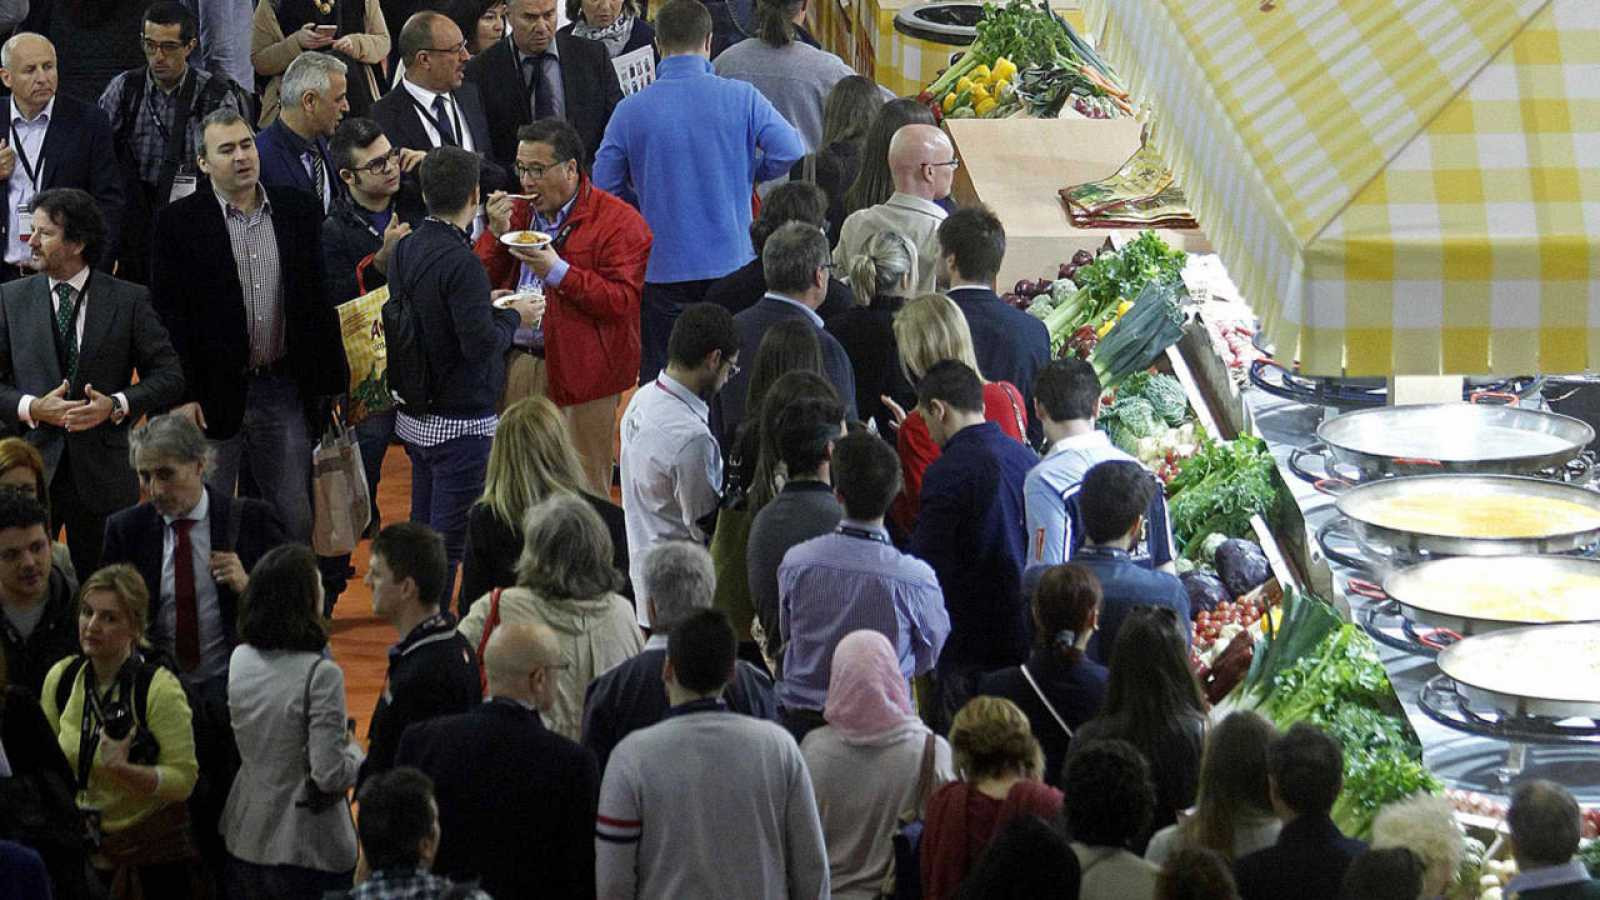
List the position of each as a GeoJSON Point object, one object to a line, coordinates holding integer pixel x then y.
{"type": "Point", "coordinates": [188, 626]}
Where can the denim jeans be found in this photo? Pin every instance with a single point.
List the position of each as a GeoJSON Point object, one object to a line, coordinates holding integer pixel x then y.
{"type": "Point", "coordinates": [659, 308]}
{"type": "Point", "coordinates": [274, 440]}
{"type": "Point", "coordinates": [446, 480]}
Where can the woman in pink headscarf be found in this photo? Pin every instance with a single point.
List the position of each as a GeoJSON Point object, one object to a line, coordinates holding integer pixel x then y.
{"type": "Point", "coordinates": [867, 762]}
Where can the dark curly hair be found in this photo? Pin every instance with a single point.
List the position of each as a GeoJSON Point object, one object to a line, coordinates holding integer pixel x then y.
{"type": "Point", "coordinates": [1109, 795]}
{"type": "Point", "coordinates": [1028, 858]}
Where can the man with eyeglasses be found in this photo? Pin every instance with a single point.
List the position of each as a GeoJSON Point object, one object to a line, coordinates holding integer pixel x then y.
{"type": "Point", "coordinates": [923, 164]}
{"type": "Point", "coordinates": [432, 106]}
{"type": "Point", "coordinates": [155, 113]}
{"type": "Point", "coordinates": [591, 275]}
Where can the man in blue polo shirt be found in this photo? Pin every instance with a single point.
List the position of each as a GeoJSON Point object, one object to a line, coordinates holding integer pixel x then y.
{"type": "Point", "coordinates": [1112, 501]}
{"type": "Point", "coordinates": [691, 148]}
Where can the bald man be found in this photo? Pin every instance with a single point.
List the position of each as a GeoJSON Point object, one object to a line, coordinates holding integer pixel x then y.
{"type": "Point", "coordinates": [516, 800]}
{"type": "Point", "coordinates": [923, 165]}
{"type": "Point", "coordinates": [52, 142]}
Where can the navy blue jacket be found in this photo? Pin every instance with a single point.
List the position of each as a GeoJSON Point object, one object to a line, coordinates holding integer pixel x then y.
{"type": "Point", "coordinates": [1125, 584]}
{"type": "Point", "coordinates": [1010, 344]}
{"type": "Point", "coordinates": [728, 407]}
{"type": "Point", "coordinates": [970, 530]}
{"type": "Point", "coordinates": [516, 800]}
{"type": "Point", "coordinates": [1075, 687]}
{"type": "Point", "coordinates": [464, 337]}
{"type": "Point", "coordinates": [281, 166]}
{"type": "Point", "coordinates": [1307, 863]}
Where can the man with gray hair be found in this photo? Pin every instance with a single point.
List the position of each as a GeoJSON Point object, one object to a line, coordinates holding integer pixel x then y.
{"type": "Point", "coordinates": [679, 580]}
{"type": "Point", "coordinates": [294, 148]}
{"type": "Point", "coordinates": [516, 800]}
{"type": "Point", "coordinates": [194, 546]}
{"type": "Point", "coordinates": [795, 260]}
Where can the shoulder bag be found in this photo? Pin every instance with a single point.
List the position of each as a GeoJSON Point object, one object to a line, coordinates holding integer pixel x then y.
{"type": "Point", "coordinates": [904, 878]}
{"type": "Point", "coordinates": [311, 796]}
{"type": "Point", "coordinates": [1050, 707]}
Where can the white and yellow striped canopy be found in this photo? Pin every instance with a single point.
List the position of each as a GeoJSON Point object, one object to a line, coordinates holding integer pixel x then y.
{"type": "Point", "coordinates": [1398, 186]}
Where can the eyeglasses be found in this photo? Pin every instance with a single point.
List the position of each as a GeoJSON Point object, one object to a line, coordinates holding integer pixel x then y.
{"type": "Point", "coordinates": [457, 49]}
{"type": "Point", "coordinates": [733, 369]}
{"type": "Point", "coordinates": [163, 48]}
{"type": "Point", "coordinates": [381, 164]}
{"type": "Point", "coordinates": [954, 164]}
{"type": "Point", "coordinates": [536, 170]}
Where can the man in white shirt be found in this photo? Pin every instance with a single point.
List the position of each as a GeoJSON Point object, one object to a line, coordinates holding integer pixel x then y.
{"type": "Point", "coordinates": [51, 141]}
{"type": "Point", "coordinates": [671, 463]}
{"type": "Point", "coordinates": [923, 164]}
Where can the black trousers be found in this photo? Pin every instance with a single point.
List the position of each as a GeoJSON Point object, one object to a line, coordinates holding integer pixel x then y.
{"type": "Point", "coordinates": [86, 528]}
{"type": "Point", "coordinates": [659, 308]}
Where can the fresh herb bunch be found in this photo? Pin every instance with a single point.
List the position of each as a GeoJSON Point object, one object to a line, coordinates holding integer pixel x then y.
{"type": "Point", "coordinates": [1344, 671]}
{"type": "Point", "coordinates": [1113, 277]}
{"type": "Point", "coordinates": [1218, 489]}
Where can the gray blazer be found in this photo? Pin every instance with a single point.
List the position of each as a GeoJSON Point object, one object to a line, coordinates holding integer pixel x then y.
{"type": "Point", "coordinates": [260, 823]}
{"type": "Point", "coordinates": [121, 333]}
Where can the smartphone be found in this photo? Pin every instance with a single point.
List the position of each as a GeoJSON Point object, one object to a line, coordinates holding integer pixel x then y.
{"type": "Point", "coordinates": [327, 30]}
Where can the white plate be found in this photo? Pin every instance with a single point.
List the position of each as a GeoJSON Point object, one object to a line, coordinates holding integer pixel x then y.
{"type": "Point", "coordinates": [513, 239]}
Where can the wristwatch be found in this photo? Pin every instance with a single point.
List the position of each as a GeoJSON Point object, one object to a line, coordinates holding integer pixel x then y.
{"type": "Point", "coordinates": [117, 410]}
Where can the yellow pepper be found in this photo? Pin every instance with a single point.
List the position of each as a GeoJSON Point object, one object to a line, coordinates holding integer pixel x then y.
{"type": "Point", "coordinates": [981, 73]}
{"type": "Point", "coordinates": [949, 101]}
{"type": "Point", "coordinates": [979, 94]}
{"type": "Point", "coordinates": [964, 83]}
{"type": "Point", "coordinates": [1105, 329]}
{"type": "Point", "coordinates": [1004, 68]}
{"type": "Point", "coordinates": [1123, 307]}
{"type": "Point", "coordinates": [985, 106]}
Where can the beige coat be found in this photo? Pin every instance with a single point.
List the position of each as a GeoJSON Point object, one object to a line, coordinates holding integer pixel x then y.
{"type": "Point", "coordinates": [913, 218]}
{"type": "Point", "coordinates": [595, 634]}
{"type": "Point", "coordinates": [271, 52]}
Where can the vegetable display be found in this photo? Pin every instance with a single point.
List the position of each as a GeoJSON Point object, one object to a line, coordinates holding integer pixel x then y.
{"type": "Point", "coordinates": [1218, 489]}
{"type": "Point", "coordinates": [1026, 59]}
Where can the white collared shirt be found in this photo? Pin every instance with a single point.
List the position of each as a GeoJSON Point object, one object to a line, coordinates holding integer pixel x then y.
{"type": "Point", "coordinates": [671, 473]}
{"type": "Point", "coordinates": [810, 313]}
{"type": "Point", "coordinates": [458, 121]}
{"type": "Point", "coordinates": [214, 649]}
{"type": "Point", "coordinates": [78, 282]}
{"type": "Point", "coordinates": [29, 133]}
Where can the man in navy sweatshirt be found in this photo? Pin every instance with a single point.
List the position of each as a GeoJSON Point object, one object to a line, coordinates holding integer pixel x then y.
{"type": "Point", "coordinates": [464, 342]}
{"type": "Point", "coordinates": [970, 530]}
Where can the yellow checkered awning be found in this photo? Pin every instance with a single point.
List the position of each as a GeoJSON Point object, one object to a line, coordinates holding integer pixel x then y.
{"type": "Point", "coordinates": [1398, 186]}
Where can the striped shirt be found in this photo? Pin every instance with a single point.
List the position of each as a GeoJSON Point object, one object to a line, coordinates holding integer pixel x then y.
{"type": "Point", "coordinates": [255, 255]}
{"type": "Point", "coordinates": [846, 581]}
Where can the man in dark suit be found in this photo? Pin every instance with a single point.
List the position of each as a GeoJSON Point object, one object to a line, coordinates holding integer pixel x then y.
{"type": "Point", "coordinates": [238, 279]}
{"type": "Point", "coordinates": [432, 107]}
{"type": "Point", "coordinates": [294, 148]}
{"type": "Point", "coordinates": [1011, 345]}
{"type": "Point", "coordinates": [796, 263]}
{"type": "Point", "coordinates": [516, 800]}
{"type": "Point", "coordinates": [1305, 769]}
{"type": "Point", "coordinates": [1545, 827]}
{"type": "Point", "coordinates": [70, 341]}
{"type": "Point", "coordinates": [561, 77]}
{"type": "Point", "coordinates": [54, 142]}
{"type": "Point", "coordinates": [192, 614]}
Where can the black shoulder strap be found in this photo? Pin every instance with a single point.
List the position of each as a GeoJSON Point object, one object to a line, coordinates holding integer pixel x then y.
{"type": "Point", "coordinates": [142, 676]}
{"type": "Point", "coordinates": [69, 677]}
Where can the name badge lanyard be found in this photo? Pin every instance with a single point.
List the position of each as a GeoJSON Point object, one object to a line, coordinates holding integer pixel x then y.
{"type": "Point", "coordinates": [26, 207]}
{"type": "Point", "coordinates": [861, 534]}
{"type": "Point", "coordinates": [455, 117]}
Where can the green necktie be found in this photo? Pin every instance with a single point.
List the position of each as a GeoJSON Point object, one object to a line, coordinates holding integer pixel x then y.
{"type": "Point", "coordinates": [66, 316]}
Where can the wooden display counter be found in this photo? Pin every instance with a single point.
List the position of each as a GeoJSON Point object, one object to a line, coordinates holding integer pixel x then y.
{"type": "Point", "coordinates": [862, 33]}
{"type": "Point", "coordinates": [1016, 166]}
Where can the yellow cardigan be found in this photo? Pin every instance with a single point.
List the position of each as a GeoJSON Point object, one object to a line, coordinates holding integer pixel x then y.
{"type": "Point", "coordinates": [166, 715]}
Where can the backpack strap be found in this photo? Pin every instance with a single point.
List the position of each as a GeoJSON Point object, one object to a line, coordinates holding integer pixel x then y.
{"type": "Point", "coordinates": [69, 677]}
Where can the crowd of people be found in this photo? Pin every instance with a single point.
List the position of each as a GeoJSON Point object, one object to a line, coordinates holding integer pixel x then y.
{"type": "Point", "coordinates": [755, 547]}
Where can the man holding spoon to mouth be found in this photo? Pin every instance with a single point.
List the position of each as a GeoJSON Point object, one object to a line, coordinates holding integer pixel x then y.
{"type": "Point", "coordinates": [591, 274]}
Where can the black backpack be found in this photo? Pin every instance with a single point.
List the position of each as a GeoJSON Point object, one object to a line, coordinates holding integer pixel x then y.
{"type": "Point", "coordinates": [409, 379]}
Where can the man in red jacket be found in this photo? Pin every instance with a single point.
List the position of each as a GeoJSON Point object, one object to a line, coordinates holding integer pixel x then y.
{"type": "Point", "coordinates": [591, 274]}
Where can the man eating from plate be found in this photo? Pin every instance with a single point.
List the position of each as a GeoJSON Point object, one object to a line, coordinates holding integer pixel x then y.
{"type": "Point", "coordinates": [591, 272]}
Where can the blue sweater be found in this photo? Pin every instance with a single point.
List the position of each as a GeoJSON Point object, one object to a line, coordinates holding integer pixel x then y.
{"type": "Point", "coordinates": [970, 531]}
{"type": "Point", "coordinates": [691, 147]}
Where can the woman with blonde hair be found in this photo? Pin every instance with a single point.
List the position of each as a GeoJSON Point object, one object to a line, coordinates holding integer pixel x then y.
{"type": "Point", "coordinates": [22, 471]}
{"type": "Point", "coordinates": [927, 330]}
{"type": "Point", "coordinates": [123, 723]}
{"type": "Point", "coordinates": [531, 459]}
{"type": "Point", "coordinates": [1000, 765]}
{"type": "Point", "coordinates": [565, 581]}
{"type": "Point", "coordinates": [881, 276]}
